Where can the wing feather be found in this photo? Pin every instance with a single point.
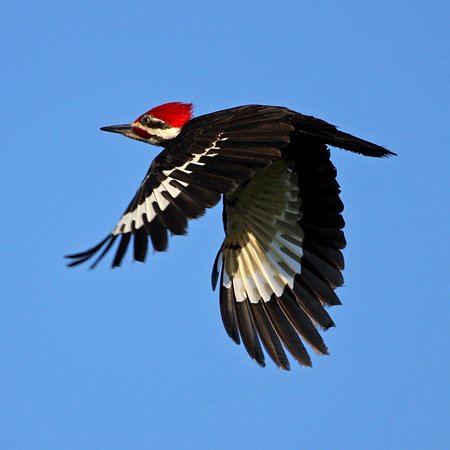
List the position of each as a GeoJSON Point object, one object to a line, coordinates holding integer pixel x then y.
{"type": "Point", "coordinates": [281, 258]}
{"type": "Point", "coordinates": [268, 335]}
{"type": "Point", "coordinates": [228, 313]}
{"type": "Point", "coordinates": [286, 332]}
{"type": "Point", "coordinates": [185, 179]}
{"type": "Point", "coordinates": [248, 332]}
{"type": "Point", "coordinates": [272, 260]}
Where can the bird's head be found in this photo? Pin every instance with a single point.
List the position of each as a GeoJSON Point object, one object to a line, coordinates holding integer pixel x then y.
{"type": "Point", "coordinates": [158, 125]}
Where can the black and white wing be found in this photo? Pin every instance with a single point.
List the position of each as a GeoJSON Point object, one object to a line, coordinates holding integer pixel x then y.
{"type": "Point", "coordinates": [280, 261]}
{"type": "Point", "coordinates": [281, 258]}
{"type": "Point", "coordinates": [212, 155]}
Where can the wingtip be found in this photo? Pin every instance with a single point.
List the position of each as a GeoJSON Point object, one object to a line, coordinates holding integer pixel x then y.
{"type": "Point", "coordinates": [80, 258]}
{"type": "Point", "coordinates": [387, 153]}
{"type": "Point", "coordinates": [261, 363]}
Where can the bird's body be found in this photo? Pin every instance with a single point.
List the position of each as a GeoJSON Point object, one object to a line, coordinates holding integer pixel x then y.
{"type": "Point", "coordinates": [281, 258]}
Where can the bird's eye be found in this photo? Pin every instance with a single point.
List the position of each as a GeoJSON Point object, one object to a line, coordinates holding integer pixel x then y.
{"type": "Point", "coordinates": [146, 119]}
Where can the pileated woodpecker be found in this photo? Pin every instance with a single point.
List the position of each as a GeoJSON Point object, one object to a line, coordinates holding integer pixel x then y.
{"type": "Point", "coordinates": [281, 258]}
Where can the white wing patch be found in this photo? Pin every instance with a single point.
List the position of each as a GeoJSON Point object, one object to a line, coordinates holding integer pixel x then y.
{"type": "Point", "coordinates": [137, 215]}
{"type": "Point", "coordinates": [263, 248]}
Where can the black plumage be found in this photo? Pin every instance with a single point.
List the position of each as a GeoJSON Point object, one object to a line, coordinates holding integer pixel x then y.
{"type": "Point", "coordinates": [281, 259]}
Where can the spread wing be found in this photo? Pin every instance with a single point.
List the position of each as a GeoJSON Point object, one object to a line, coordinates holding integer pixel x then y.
{"type": "Point", "coordinates": [281, 258]}
{"type": "Point", "coordinates": [211, 156]}
{"type": "Point", "coordinates": [281, 261]}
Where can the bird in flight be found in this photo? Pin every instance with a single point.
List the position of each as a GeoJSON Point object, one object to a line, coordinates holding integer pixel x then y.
{"type": "Point", "coordinates": [281, 260]}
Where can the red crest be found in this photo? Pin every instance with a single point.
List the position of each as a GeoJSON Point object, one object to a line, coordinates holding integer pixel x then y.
{"type": "Point", "coordinates": [175, 113]}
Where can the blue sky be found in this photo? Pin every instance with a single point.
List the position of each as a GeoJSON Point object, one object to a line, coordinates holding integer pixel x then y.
{"type": "Point", "coordinates": [137, 357]}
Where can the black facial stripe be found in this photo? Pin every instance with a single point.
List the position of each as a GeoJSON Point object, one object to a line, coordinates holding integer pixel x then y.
{"type": "Point", "coordinates": [159, 125]}
{"type": "Point", "coordinates": [155, 124]}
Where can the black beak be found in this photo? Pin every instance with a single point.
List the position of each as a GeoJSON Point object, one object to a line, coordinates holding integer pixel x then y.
{"type": "Point", "coordinates": [121, 129]}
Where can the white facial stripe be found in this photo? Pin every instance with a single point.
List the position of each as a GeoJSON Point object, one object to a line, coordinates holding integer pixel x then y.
{"type": "Point", "coordinates": [163, 133]}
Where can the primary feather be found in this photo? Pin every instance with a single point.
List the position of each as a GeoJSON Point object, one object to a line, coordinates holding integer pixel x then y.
{"type": "Point", "coordinates": [281, 258]}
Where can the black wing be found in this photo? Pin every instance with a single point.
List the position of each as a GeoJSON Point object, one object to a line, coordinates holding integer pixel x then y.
{"type": "Point", "coordinates": [281, 258]}
{"type": "Point", "coordinates": [212, 155]}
